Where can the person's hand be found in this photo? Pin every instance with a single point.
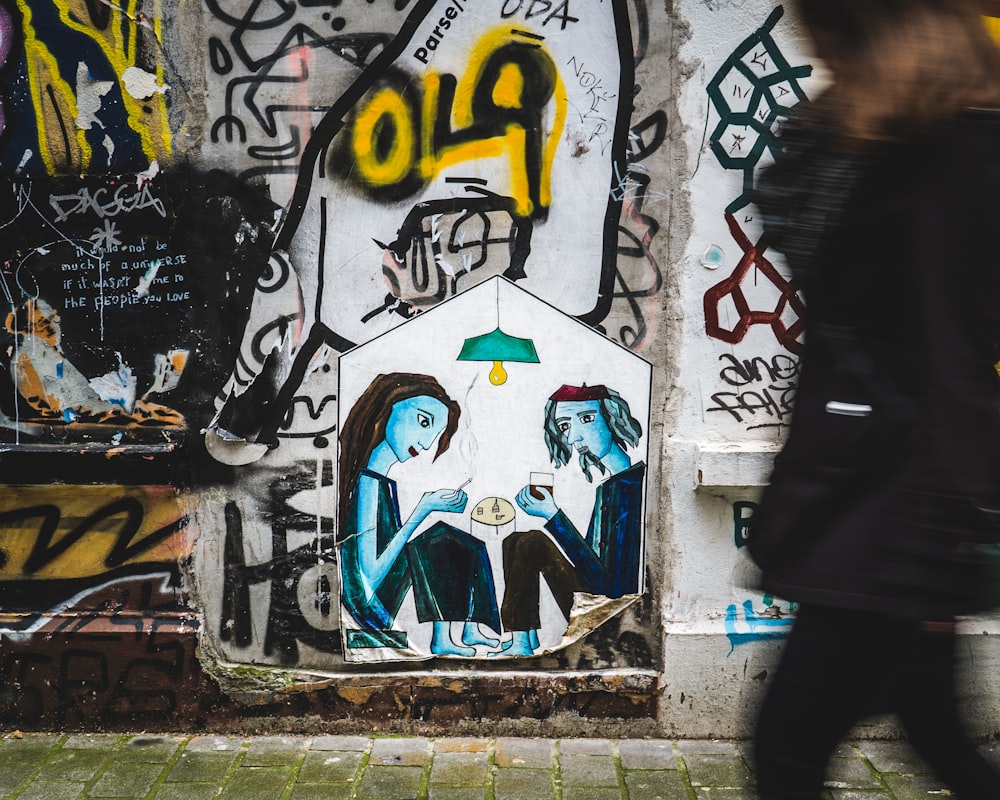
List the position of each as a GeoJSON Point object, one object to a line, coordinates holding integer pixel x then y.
{"type": "Point", "coordinates": [450, 501]}
{"type": "Point", "coordinates": [545, 508]}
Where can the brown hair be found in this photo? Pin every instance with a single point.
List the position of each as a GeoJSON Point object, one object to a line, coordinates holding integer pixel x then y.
{"type": "Point", "coordinates": [364, 428]}
{"type": "Point", "coordinates": [902, 66]}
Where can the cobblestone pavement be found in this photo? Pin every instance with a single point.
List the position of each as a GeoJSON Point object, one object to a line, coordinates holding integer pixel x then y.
{"type": "Point", "coordinates": [75, 767]}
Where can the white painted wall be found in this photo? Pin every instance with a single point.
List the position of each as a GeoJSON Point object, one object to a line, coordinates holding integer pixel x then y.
{"type": "Point", "coordinates": [719, 401]}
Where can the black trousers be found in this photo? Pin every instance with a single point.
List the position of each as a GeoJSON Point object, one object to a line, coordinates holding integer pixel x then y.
{"type": "Point", "coordinates": [841, 666]}
{"type": "Point", "coordinates": [526, 556]}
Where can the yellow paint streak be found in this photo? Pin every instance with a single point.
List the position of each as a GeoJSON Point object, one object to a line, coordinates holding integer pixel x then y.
{"type": "Point", "coordinates": [993, 26]}
{"type": "Point", "coordinates": [152, 126]}
{"type": "Point", "coordinates": [387, 105]}
{"type": "Point", "coordinates": [432, 99]}
{"type": "Point", "coordinates": [84, 559]}
{"type": "Point", "coordinates": [159, 118]}
{"type": "Point", "coordinates": [62, 146]}
{"type": "Point", "coordinates": [558, 126]}
{"type": "Point", "coordinates": [509, 87]}
{"type": "Point", "coordinates": [509, 84]}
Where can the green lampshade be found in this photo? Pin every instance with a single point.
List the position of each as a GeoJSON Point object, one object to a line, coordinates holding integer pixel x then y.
{"type": "Point", "coordinates": [498, 346]}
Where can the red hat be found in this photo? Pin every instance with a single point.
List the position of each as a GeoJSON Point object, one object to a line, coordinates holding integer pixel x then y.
{"type": "Point", "coordinates": [580, 393]}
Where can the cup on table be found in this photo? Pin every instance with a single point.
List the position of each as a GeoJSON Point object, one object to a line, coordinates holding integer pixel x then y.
{"type": "Point", "coordinates": [538, 481]}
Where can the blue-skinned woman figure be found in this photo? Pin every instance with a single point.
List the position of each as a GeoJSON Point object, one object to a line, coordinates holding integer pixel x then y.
{"type": "Point", "coordinates": [383, 556]}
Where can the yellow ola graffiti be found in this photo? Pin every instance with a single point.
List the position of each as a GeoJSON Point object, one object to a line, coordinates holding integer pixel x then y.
{"type": "Point", "coordinates": [510, 103]}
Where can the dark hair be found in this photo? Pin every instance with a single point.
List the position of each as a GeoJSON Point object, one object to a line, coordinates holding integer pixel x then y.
{"type": "Point", "coordinates": [364, 428]}
{"type": "Point", "coordinates": [902, 66]}
{"type": "Point", "coordinates": [625, 432]}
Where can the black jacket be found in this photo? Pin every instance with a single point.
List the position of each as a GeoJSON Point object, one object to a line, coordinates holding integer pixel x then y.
{"type": "Point", "coordinates": [887, 493]}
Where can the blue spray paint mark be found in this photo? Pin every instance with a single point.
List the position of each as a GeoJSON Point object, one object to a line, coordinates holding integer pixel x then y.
{"type": "Point", "coordinates": [753, 628]}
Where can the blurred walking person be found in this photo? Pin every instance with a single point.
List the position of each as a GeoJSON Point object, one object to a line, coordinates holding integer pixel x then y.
{"type": "Point", "coordinates": [882, 512]}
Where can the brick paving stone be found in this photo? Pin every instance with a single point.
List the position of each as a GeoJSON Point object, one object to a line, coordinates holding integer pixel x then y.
{"type": "Point", "coordinates": [186, 791]}
{"type": "Point", "coordinates": [320, 791]}
{"type": "Point", "coordinates": [850, 773]}
{"type": "Point", "coordinates": [588, 771]}
{"type": "Point", "coordinates": [356, 743]}
{"type": "Point", "coordinates": [461, 745]}
{"type": "Point", "coordinates": [437, 792]}
{"type": "Point", "coordinates": [275, 751]}
{"type": "Point", "coordinates": [525, 753]}
{"type": "Point", "coordinates": [522, 784]}
{"type": "Point", "coordinates": [468, 769]}
{"type": "Point", "coordinates": [591, 793]}
{"type": "Point", "coordinates": [73, 765]}
{"type": "Point", "coordinates": [914, 787]}
{"type": "Point", "coordinates": [126, 780]}
{"type": "Point", "coordinates": [647, 754]}
{"type": "Point", "coordinates": [96, 741]}
{"type": "Point", "coordinates": [656, 785]}
{"type": "Point", "coordinates": [894, 757]}
{"type": "Point", "coordinates": [52, 790]}
{"type": "Point", "coordinates": [53, 767]}
{"type": "Point", "coordinates": [708, 793]}
{"type": "Point", "coordinates": [30, 748]}
{"type": "Point", "coordinates": [717, 771]}
{"type": "Point", "coordinates": [400, 752]}
{"type": "Point", "coordinates": [585, 747]}
{"type": "Point", "coordinates": [147, 749]}
{"type": "Point", "coordinates": [390, 783]}
{"type": "Point", "coordinates": [707, 747]}
{"type": "Point", "coordinates": [13, 775]}
{"type": "Point", "coordinates": [202, 767]}
{"type": "Point", "coordinates": [216, 744]}
{"type": "Point", "coordinates": [329, 766]}
{"type": "Point", "coordinates": [257, 783]}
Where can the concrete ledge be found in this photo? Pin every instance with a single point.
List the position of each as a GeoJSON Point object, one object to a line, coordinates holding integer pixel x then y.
{"type": "Point", "coordinates": [143, 672]}
{"type": "Point", "coordinates": [735, 464]}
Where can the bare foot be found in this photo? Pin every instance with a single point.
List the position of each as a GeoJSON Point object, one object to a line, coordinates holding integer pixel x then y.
{"type": "Point", "coordinates": [442, 645]}
{"type": "Point", "coordinates": [472, 635]}
{"type": "Point", "coordinates": [520, 644]}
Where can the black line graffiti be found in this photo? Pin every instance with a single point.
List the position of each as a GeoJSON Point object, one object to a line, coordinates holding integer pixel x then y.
{"type": "Point", "coordinates": [636, 265]}
{"type": "Point", "coordinates": [759, 392]}
{"type": "Point", "coordinates": [125, 547]}
{"type": "Point", "coordinates": [273, 52]}
{"type": "Point", "coordinates": [383, 92]}
{"type": "Point", "coordinates": [302, 581]}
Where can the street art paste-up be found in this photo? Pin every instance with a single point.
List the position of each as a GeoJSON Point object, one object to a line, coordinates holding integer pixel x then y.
{"type": "Point", "coordinates": [104, 287]}
{"type": "Point", "coordinates": [486, 139]}
{"type": "Point", "coordinates": [551, 545]}
{"type": "Point", "coordinates": [400, 416]}
{"type": "Point", "coordinates": [596, 424]}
